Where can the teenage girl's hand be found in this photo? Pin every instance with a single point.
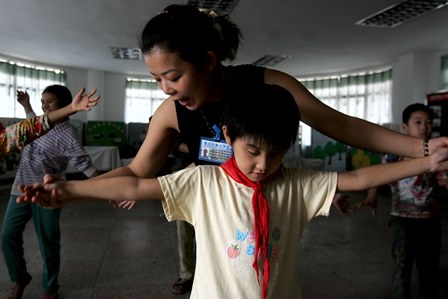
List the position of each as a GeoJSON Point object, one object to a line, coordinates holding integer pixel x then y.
{"type": "Point", "coordinates": [23, 98]}
{"type": "Point", "coordinates": [85, 102]}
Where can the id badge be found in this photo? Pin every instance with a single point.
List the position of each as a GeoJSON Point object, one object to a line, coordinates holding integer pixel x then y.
{"type": "Point", "coordinates": [215, 151]}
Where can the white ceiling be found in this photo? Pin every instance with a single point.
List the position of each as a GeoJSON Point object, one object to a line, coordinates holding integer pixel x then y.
{"type": "Point", "coordinates": [320, 35]}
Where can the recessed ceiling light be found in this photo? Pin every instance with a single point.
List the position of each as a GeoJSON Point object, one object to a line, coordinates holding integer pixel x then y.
{"type": "Point", "coordinates": [399, 13]}
{"type": "Point", "coordinates": [223, 6]}
{"type": "Point", "coordinates": [126, 53]}
{"type": "Point", "coordinates": [270, 60]}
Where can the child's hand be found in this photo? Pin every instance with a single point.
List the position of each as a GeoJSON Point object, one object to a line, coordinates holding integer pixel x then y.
{"type": "Point", "coordinates": [368, 202]}
{"type": "Point", "coordinates": [442, 179]}
{"type": "Point", "coordinates": [23, 98]}
{"type": "Point", "coordinates": [34, 194]}
{"type": "Point", "coordinates": [438, 160]}
{"type": "Point", "coordinates": [371, 201]}
{"type": "Point", "coordinates": [83, 102]}
{"type": "Point", "coordinates": [46, 194]}
{"type": "Point", "coordinates": [437, 143]}
{"type": "Point", "coordinates": [341, 202]}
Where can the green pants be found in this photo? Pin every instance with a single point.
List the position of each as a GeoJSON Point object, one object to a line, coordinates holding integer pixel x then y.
{"type": "Point", "coordinates": [46, 225]}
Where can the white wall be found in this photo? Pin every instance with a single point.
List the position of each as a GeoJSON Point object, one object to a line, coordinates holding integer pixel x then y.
{"type": "Point", "coordinates": [414, 76]}
{"type": "Point", "coordinates": [111, 88]}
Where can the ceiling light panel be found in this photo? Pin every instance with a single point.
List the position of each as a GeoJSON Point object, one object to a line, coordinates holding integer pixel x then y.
{"type": "Point", "coordinates": [270, 60]}
{"type": "Point", "coordinates": [223, 6]}
{"type": "Point", "coordinates": [126, 53]}
{"type": "Point", "coordinates": [399, 13]}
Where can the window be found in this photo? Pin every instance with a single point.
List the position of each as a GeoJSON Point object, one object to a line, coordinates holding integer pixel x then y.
{"type": "Point", "coordinates": [444, 73]}
{"type": "Point", "coordinates": [143, 97]}
{"type": "Point", "coordinates": [366, 95]}
{"type": "Point", "coordinates": [17, 76]}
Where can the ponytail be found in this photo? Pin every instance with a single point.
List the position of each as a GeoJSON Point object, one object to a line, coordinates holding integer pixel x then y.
{"type": "Point", "coordinates": [191, 32]}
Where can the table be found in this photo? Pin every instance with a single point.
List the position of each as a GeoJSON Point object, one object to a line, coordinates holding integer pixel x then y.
{"type": "Point", "coordinates": [104, 158]}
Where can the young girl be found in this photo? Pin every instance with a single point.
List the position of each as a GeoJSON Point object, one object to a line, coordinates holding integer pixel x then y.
{"type": "Point", "coordinates": [51, 153]}
{"type": "Point", "coordinates": [249, 213]}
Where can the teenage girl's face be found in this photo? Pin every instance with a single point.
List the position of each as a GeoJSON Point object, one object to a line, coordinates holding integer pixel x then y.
{"type": "Point", "coordinates": [419, 125]}
{"type": "Point", "coordinates": [49, 102]}
{"type": "Point", "coordinates": [257, 161]}
{"type": "Point", "coordinates": [179, 79]}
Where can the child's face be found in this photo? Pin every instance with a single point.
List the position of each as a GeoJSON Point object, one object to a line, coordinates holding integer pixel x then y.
{"type": "Point", "coordinates": [419, 125]}
{"type": "Point", "coordinates": [49, 102]}
{"type": "Point", "coordinates": [257, 161]}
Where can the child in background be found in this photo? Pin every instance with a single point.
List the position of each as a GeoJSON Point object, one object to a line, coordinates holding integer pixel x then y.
{"type": "Point", "coordinates": [16, 136]}
{"type": "Point", "coordinates": [248, 213]}
{"type": "Point", "coordinates": [415, 216]}
{"type": "Point", "coordinates": [51, 153]}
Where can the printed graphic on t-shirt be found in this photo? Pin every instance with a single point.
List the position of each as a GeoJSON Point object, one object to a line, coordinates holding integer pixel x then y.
{"type": "Point", "coordinates": [240, 250]}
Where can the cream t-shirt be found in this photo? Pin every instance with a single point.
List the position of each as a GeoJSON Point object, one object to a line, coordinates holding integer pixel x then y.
{"type": "Point", "coordinates": [220, 210]}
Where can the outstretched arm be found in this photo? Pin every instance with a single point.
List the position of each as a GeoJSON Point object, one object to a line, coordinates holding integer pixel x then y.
{"type": "Point", "coordinates": [350, 130]}
{"type": "Point", "coordinates": [116, 188]}
{"type": "Point", "coordinates": [16, 136]}
{"type": "Point", "coordinates": [377, 175]}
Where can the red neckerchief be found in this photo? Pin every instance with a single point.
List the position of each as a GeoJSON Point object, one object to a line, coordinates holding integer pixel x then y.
{"type": "Point", "coordinates": [261, 218]}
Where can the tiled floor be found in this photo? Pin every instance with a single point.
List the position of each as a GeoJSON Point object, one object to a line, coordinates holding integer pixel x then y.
{"type": "Point", "coordinates": [110, 253]}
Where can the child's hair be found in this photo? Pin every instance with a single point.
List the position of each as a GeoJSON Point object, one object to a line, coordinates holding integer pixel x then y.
{"type": "Point", "coordinates": [268, 114]}
{"type": "Point", "coordinates": [407, 112]}
{"type": "Point", "coordinates": [62, 93]}
{"type": "Point", "coordinates": [191, 32]}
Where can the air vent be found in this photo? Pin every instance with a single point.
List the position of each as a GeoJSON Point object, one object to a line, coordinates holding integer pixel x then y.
{"type": "Point", "coordinates": [270, 60]}
{"type": "Point", "coordinates": [399, 13]}
{"type": "Point", "coordinates": [223, 6]}
{"type": "Point", "coordinates": [126, 53]}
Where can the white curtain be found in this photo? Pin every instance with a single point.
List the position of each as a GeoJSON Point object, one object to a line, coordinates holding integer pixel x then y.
{"type": "Point", "coordinates": [15, 76]}
{"type": "Point", "coordinates": [444, 73]}
{"type": "Point", "coordinates": [143, 97]}
{"type": "Point", "coordinates": [365, 95]}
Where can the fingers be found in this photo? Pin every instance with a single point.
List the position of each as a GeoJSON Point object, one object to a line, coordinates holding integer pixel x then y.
{"type": "Point", "coordinates": [80, 92]}
{"type": "Point", "coordinates": [91, 93]}
{"type": "Point", "coordinates": [50, 178]}
{"type": "Point", "coordinates": [125, 204]}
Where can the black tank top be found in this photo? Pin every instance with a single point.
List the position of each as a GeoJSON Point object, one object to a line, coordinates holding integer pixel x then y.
{"type": "Point", "coordinates": [196, 124]}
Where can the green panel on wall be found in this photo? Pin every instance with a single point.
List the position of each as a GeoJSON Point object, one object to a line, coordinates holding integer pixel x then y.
{"type": "Point", "coordinates": [105, 133]}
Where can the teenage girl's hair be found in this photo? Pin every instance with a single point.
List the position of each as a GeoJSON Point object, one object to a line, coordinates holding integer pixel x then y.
{"type": "Point", "coordinates": [268, 115]}
{"type": "Point", "coordinates": [62, 93]}
{"type": "Point", "coordinates": [414, 108]}
{"type": "Point", "coordinates": [191, 32]}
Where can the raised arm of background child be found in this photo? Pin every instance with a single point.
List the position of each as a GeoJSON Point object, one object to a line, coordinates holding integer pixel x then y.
{"type": "Point", "coordinates": [81, 102]}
